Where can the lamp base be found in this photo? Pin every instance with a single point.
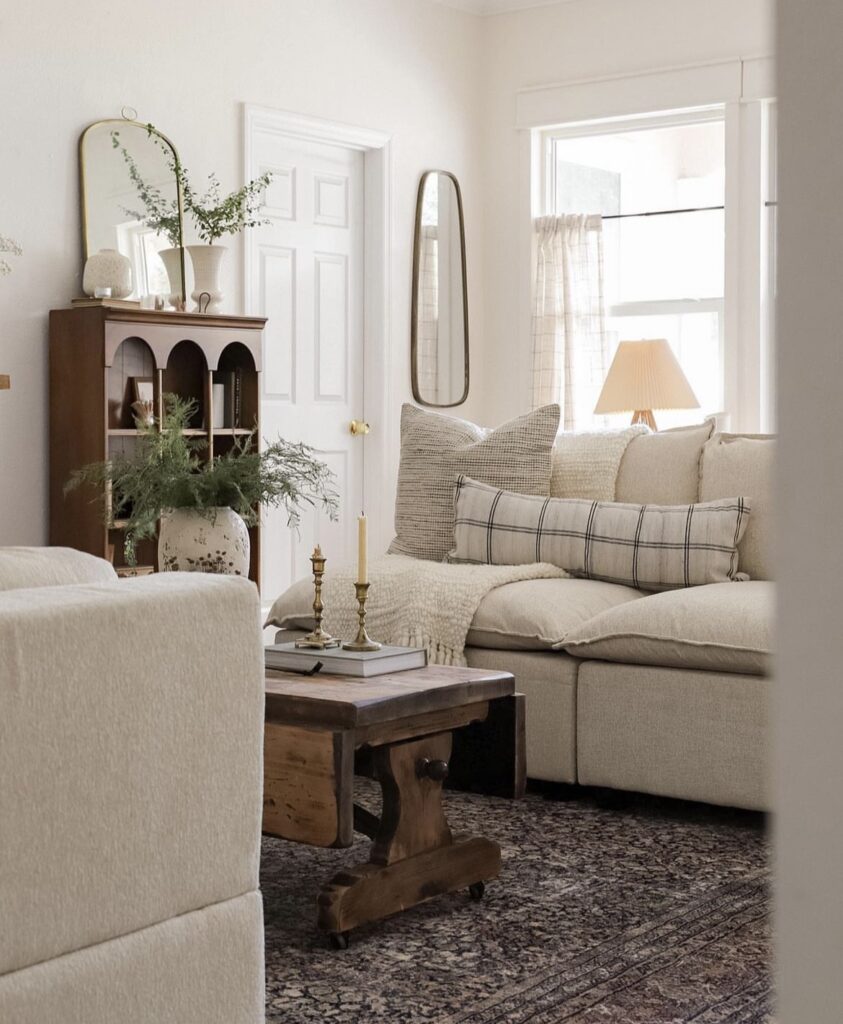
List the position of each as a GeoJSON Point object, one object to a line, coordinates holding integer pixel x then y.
{"type": "Point", "coordinates": [645, 416]}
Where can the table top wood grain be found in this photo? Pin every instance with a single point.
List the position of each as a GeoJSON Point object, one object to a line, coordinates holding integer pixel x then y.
{"type": "Point", "coordinates": [349, 702]}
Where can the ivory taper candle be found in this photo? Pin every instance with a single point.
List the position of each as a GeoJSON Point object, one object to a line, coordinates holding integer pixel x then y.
{"type": "Point", "coordinates": [362, 550]}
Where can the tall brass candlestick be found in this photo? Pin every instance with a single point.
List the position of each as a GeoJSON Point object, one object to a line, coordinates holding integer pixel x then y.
{"type": "Point", "coordinates": [318, 639]}
{"type": "Point", "coordinates": [362, 642]}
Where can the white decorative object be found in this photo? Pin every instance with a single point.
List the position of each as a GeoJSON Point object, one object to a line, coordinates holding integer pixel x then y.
{"type": "Point", "coordinates": [218, 403]}
{"type": "Point", "coordinates": [215, 540]}
{"type": "Point", "coordinates": [108, 268]}
{"type": "Point", "coordinates": [207, 263]}
{"type": "Point", "coordinates": [171, 258]}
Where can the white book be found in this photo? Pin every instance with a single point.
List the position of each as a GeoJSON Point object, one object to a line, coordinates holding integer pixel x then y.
{"type": "Point", "coordinates": [336, 661]}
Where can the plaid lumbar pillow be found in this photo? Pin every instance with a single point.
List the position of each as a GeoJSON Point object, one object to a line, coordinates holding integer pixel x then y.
{"type": "Point", "coordinates": [436, 449]}
{"type": "Point", "coordinates": [653, 547]}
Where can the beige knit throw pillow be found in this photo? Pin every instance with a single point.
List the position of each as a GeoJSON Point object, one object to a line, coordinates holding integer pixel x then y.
{"type": "Point", "coordinates": [436, 449]}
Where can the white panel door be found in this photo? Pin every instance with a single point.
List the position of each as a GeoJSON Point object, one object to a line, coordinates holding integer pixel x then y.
{"type": "Point", "coordinates": [306, 277]}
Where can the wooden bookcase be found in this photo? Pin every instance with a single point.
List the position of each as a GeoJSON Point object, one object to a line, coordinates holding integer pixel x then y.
{"type": "Point", "coordinates": [94, 353]}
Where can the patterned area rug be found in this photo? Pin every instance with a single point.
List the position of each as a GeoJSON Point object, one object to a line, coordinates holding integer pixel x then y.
{"type": "Point", "coordinates": [651, 914]}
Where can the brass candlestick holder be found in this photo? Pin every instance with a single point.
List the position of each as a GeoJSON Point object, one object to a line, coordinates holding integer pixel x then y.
{"type": "Point", "coordinates": [318, 640]}
{"type": "Point", "coordinates": [362, 642]}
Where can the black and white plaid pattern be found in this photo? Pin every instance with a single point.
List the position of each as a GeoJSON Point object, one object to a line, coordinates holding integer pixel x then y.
{"type": "Point", "coordinates": [651, 547]}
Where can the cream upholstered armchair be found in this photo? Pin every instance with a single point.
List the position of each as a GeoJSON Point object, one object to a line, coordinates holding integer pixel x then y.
{"type": "Point", "coordinates": [131, 723]}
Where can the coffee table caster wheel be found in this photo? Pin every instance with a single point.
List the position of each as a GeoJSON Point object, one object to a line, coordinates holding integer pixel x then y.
{"type": "Point", "coordinates": [338, 940]}
{"type": "Point", "coordinates": [476, 890]}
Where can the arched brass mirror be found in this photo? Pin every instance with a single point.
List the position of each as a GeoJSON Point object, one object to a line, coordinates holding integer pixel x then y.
{"type": "Point", "coordinates": [439, 325]}
{"type": "Point", "coordinates": [130, 200]}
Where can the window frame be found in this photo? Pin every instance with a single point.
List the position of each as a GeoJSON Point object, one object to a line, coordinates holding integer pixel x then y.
{"type": "Point", "coordinates": [746, 327]}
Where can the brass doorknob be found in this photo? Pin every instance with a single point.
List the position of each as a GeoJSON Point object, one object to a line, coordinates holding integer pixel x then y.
{"type": "Point", "coordinates": [358, 427]}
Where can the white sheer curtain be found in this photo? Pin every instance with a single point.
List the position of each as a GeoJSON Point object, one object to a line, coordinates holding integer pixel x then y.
{"type": "Point", "coordinates": [570, 346]}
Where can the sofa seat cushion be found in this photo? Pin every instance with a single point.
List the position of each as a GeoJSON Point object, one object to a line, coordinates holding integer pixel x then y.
{"type": "Point", "coordinates": [537, 615]}
{"type": "Point", "coordinates": [530, 615]}
{"type": "Point", "coordinates": [23, 568]}
{"type": "Point", "coordinates": [722, 627]}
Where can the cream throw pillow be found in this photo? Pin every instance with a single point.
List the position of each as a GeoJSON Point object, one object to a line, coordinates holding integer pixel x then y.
{"type": "Point", "coordinates": [436, 449]}
{"type": "Point", "coordinates": [745, 463]}
{"type": "Point", "coordinates": [585, 465]}
{"type": "Point", "coordinates": [663, 468]}
{"type": "Point", "coordinates": [649, 547]}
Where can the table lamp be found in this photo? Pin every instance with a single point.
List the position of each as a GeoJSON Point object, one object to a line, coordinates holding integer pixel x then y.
{"type": "Point", "coordinates": [645, 375]}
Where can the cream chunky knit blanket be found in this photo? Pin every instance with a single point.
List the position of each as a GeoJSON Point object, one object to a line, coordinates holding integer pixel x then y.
{"type": "Point", "coordinates": [411, 603]}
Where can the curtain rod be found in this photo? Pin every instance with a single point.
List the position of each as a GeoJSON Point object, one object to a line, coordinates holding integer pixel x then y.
{"type": "Point", "coordinates": [662, 213]}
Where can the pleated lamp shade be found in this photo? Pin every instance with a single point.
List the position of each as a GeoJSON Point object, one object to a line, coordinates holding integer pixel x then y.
{"type": "Point", "coordinates": [645, 375]}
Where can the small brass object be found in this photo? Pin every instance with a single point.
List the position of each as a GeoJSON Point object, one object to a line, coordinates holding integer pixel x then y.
{"type": "Point", "coordinates": [318, 640]}
{"type": "Point", "coordinates": [358, 428]}
{"type": "Point", "coordinates": [362, 642]}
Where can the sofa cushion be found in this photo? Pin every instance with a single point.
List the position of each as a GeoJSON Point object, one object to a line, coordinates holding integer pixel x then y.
{"type": "Point", "coordinates": [745, 461]}
{"type": "Point", "coordinates": [435, 449]}
{"type": "Point", "coordinates": [585, 465]}
{"type": "Point", "coordinates": [529, 615]}
{"type": "Point", "coordinates": [22, 568]}
{"type": "Point", "coordinates": [664, 468]}
{"type": "Point", "coordinates": [723, 627]}
{"type": "Point", "coordinates": [536, 615]}
{"type": "Point", "coordinates": [650, 547]}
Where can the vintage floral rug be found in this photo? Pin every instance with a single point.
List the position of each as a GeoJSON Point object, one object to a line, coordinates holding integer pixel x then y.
{"type": "Point", "coordinates": [652, 913]}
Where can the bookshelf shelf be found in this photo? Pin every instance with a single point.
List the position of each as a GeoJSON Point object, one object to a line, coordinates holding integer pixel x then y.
{"type": "Point", "coordinates": [95, 352]}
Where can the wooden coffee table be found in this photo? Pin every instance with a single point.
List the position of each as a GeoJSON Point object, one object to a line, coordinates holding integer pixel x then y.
{"type": "Point", "coordinates": [410, 731]}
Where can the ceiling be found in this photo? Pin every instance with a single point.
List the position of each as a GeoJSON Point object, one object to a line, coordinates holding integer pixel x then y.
{"type": "Point", "coordinates": [496, 6]}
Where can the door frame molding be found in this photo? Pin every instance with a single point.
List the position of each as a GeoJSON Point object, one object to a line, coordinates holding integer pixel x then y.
{"type": "Point", "coordinates": [378, 399]}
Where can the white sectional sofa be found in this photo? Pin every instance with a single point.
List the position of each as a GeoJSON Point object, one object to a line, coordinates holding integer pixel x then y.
{"type": "Point", "coordinates": [659, 693]}
{"type": "Point", "coordinates": [131, 726]}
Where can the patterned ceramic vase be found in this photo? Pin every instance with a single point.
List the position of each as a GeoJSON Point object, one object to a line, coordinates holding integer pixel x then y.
{"type": "Point", "coordinates": [214, 541]}
{"type": "Point", "coordinates": [207, 263]}
{"type": "Point", "coordinates": [108, 268]}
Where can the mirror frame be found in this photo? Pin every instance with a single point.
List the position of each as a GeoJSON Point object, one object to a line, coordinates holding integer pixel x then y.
{"type": "Point", "coordinates": [83, 206]}
{"type": "Point", "coordinates": [414, 311]}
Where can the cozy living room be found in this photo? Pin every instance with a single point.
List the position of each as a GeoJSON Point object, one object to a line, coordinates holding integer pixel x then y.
{"type": "Point", "coordinates": [419, 560]}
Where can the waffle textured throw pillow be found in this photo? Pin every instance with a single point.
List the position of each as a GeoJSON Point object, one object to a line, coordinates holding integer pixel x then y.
{"type": "Point", "coordinates": [650, 547]}
{"type": "Point", "coordinates": [436, 449]}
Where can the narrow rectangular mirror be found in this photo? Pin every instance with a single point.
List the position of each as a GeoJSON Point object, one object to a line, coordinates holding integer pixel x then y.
{"type": "Point", "coordinates": [439, 323]}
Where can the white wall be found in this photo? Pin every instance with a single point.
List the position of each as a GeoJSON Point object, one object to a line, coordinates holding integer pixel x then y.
{"type": "Point", "coordinates": [809, 791]}
{"type": "Point", "coordinates": [582, 39]}
{"type": "Point", "coordinates": [406, 67]}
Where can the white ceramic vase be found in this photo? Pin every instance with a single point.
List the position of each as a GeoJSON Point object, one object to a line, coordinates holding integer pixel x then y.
{"type": "Point", "coordinates": [214, 541]}
{"type": "Point", "coordinates": [171, 258]}
{"type": "Point", "coordinates": [207, 264]}
{"type": "Point", "coordinates": [108, 268]}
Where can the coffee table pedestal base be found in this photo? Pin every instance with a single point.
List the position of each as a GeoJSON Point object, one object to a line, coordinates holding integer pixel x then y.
{"type": "Point", "coordinates": [414, 855]}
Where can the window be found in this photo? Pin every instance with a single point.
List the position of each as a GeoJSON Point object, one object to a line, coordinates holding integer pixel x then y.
{"type": "Point", "coordinates": [659, 183]}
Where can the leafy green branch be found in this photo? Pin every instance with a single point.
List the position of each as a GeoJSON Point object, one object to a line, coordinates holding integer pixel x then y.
{"type": "Point", "coordinates": [8, 245]}
{"type": "Point", "coordinates": [161, 213]}
{"type": "Point", "coordinates": [165, 470]}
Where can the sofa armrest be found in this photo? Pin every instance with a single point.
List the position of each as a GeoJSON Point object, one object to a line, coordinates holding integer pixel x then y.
{"type": "Point", "coordinates": [131, 725]}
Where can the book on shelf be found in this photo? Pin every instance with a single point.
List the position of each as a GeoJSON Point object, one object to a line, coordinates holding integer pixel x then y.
{"type": "Point", "coordinates": [237, 405]}
{"type": "Point", "coordinates": [336, 661]}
